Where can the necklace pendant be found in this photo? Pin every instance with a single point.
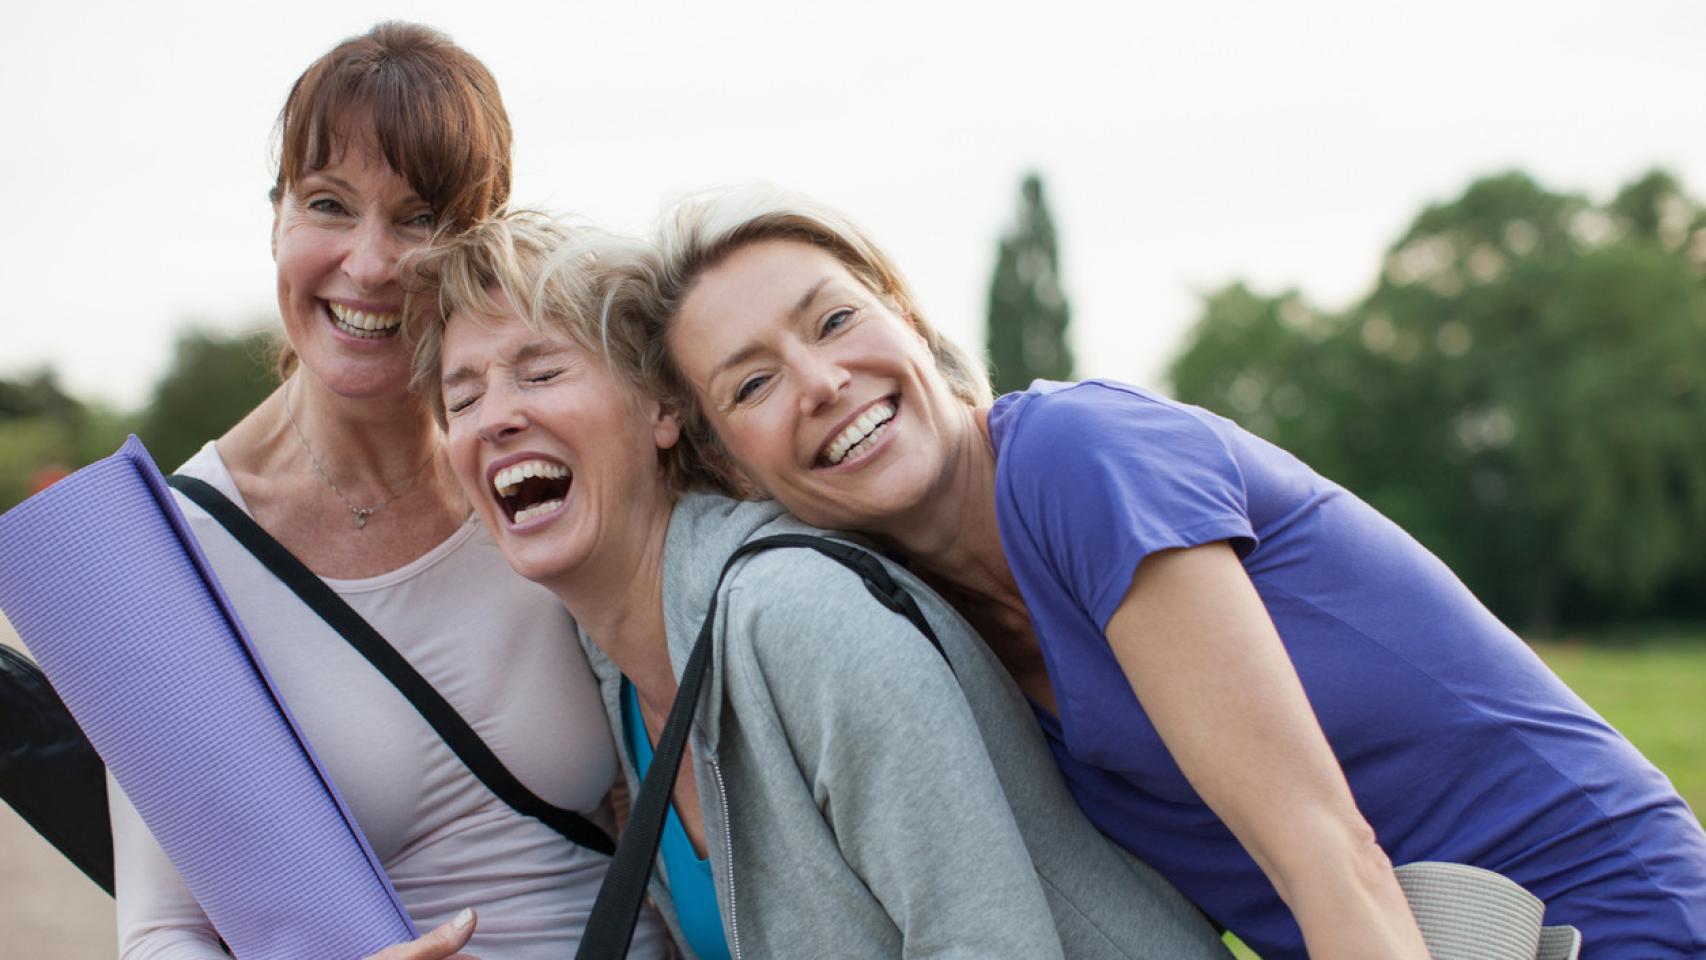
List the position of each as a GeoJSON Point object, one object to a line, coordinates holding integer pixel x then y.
{"type": "Point", "coordinates": [360, 516]}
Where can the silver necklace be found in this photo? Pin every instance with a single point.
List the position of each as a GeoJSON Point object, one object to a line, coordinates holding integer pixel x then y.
{"type": "Point", "coordinates": [361, 513]}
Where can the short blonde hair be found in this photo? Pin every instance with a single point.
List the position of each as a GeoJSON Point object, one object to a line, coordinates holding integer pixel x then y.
{"type": "Point", "coordinates": [554, 277]}
{"type": "Point", "coordinates": [647, 287]}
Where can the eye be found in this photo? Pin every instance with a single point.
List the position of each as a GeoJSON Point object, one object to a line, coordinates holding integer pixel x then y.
{"type": "Point", "coordinates": [750, 386]}
{"type": "Point", "coordinates": [544, 376]}
{"type": "Point", "coordinates": [836, 320]}
{"type": "Point", "coordinates": [425, 220]}
{"type": "Point", "coordinates": [460, 403]}
{"type": "Point", "coordinates": [325, 205]}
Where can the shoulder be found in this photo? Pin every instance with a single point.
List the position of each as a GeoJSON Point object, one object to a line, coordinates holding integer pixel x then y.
{"type": "Point", "coordinates": [792, 611]}
{"type": "Point", "coordinates": [1070, 423]}
{"type": "Point", "coordinates": [1061, 448]}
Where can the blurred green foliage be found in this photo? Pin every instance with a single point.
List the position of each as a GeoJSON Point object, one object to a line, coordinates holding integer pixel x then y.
{"type": "Point", "coordinates": [1523, 389]}
{"type": "Point", "coordinates": [1028, 312]}
{"type": "Point", "coordinates": [45, 432]}
{"type": "Point", "coordinates": [213, 381]}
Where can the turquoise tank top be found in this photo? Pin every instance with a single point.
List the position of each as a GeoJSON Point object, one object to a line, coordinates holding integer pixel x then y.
{"type": "Point", "coordinates": [689, 876]}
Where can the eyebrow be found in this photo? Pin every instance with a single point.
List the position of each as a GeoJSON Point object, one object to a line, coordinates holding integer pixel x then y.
{"type": "Point", "coordinates": [531, 350]}
{"type": "Point", "coordinates": [752, 349]}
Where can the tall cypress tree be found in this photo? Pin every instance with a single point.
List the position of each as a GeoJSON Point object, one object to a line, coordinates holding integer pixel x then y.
{"type": "Point", "coordinates": [1028, 312]}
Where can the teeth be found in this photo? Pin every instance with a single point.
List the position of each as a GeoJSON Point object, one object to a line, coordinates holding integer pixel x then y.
{"type": "Point", "coordinates": [538, 509]}
{"type": "Point", "coordinates": [362, 324]}
{"type": "Point", "coordinates": [859, 448]}
{"type": "Point", "coordinates": [863, 429]}
{"type": "Point", "coordinates": [509, 478]}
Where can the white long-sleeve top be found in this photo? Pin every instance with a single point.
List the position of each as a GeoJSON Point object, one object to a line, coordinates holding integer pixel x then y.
{"type": "Point", "coordinates": [503, 652]}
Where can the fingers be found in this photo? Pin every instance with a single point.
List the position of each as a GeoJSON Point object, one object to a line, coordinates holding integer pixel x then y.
{"type": "Point", "coordinates": [440, 944]}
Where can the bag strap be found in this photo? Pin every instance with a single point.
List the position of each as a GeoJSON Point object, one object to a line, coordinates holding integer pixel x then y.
{"type": "Point", "coordinates": [610, 926]}
{"type": "Point", "coordinates": [341, 617]}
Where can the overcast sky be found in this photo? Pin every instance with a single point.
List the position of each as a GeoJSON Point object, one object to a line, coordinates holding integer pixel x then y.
{"type": "Point", "coordinates": [1182, 144]}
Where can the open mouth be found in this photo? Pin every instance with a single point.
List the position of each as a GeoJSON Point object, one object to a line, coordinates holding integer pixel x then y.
{"type": "Point", "coordinates": [364, 325]}
{"type": "Point", "coordinates": [860, 435]}
{"type": "Point", "coordinates": [531, 488]}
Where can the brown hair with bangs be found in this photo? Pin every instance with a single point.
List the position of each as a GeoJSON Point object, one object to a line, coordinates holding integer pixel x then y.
{"type": "Point", "coordinates": [436, 118]}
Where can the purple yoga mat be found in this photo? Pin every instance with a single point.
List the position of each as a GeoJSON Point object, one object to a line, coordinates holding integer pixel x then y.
{"type": "Point", "coordinates": [106, 585]}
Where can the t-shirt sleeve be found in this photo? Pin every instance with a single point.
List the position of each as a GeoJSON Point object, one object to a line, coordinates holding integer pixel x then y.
{"type": "Point", "coordinates": [1093, 478]}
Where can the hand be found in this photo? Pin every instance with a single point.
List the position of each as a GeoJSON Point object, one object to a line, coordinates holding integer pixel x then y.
{"type": "Point", "coordinates": [440, 944]}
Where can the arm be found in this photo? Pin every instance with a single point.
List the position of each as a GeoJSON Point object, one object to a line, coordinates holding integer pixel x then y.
{"type": "Point", "coordinates": [158, 919]}
{"type": "Point", "coordinates": [1205, 661]}
{"type": "Point", "coordinates": [886, 742]}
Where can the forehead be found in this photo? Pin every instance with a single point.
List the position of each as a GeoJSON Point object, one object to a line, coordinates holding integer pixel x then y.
{"type": "Point", "coordinates": [358, 163]}
{"type": "Point", "coordinates": [474, 340]}
{"type": "Point", "coordinates": [766, 279]}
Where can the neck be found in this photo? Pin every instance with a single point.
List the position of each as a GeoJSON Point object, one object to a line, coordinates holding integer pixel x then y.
{"type": "Point", "coordinates": [952, 534]}
{"type": "Point", "coordinates": [618, 600]}
{"type": "Point", "coordinates": [366, 445]}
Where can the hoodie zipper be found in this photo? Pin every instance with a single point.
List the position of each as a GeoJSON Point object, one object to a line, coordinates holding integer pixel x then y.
{"type": "Point", "coordinates": [728, 858]}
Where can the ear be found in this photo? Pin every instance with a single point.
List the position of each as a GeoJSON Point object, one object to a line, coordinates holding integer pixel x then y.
{"type": "Point", "coordinates": [912, 325]}
{"type": "Point", "coordinates": [275, 212]}
{"type": "Point", "coordinates": [666, 425]}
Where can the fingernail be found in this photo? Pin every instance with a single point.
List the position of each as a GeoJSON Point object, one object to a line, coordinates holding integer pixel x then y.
{"type": "Point", "coordinates": [464, 919]}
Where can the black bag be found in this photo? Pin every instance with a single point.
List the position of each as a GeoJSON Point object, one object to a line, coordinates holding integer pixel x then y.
{"type": "Point", "coordinates": [49, 772]}
{"type": "Point", "coordinates": [610, 927]}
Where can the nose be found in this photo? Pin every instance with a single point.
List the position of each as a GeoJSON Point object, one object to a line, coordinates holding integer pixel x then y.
{"type": "Point", "coordinates": [820, 379]}
{"type": "Point", "coordinates": [501, 415]}
{"type": "Point", "coordinates": [373, 255]}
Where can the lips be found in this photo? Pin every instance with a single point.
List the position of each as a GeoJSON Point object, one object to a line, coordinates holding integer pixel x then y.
{"type": "Point", "coordinates": [858, 435]}
{"type": "Point", "coordinates": [364, 324]}
{"type": "Point", "coordinates": [530, 486]}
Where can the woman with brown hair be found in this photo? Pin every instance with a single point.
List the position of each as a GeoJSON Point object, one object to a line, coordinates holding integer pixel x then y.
{"type": "Point", "coordinates": [387, 138]}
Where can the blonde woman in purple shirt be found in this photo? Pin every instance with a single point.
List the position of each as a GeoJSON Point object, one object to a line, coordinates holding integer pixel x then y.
{"type": "Point", "coordinates": [1249, 677]}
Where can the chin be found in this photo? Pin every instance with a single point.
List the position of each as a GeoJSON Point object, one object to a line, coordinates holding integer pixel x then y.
{"type": "Point", "coordinates": [358, 378]}
{"type": "Point", "coordinates": [543, 570]}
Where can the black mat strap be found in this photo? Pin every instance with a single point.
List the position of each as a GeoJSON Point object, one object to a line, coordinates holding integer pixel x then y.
{"type": "Point", "coordinates": [437, 711]}
{"type": "Point", "coordinates": [610, 927]}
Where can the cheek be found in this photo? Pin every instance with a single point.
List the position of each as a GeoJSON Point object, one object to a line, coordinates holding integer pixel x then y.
{"type": "Point", "coordinates": [759, 444]}
{"type": "Point", "coordinates": [464, 456]}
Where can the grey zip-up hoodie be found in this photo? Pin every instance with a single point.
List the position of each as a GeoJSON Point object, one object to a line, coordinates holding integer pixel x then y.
{"type": "Point", "coordinates": [850, 806]}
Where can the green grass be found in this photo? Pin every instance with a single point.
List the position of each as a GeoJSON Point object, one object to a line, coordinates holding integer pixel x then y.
{"type": "Point", "coordinates": [1652, 688]}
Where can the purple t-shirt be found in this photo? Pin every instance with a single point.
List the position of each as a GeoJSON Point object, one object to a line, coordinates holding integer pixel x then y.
{"type": "Point", "coordinates": [1458, 743]}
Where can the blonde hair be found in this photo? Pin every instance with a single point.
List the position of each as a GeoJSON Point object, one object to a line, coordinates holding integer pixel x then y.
{"type": "Point", "coordinates": [646, 287]}
{"type": "Point", "coordinates": [553, 277]}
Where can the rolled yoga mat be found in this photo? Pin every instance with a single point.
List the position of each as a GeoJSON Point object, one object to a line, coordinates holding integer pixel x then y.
{"type": "Point", "coordinates": [106, 585]}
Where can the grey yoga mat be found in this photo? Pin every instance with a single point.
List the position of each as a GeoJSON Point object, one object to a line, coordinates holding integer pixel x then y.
{"type": "Point", "coordinates": [1467, 913]}
{"type": "Point", "coordinates": [106, 585]}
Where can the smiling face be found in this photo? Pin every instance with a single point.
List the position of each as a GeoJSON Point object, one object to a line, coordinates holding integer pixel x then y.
{"type": "Point", "coordinates": [338, 233]}
{"type": "Point", "coordinates": [559, 458]}
{"type": "Point", "coordinates": [827, 399]}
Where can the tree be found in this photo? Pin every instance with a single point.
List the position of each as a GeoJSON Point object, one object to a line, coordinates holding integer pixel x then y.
{"type": "Point", "coordinates": [1522, 390]}
{"type": "Point", "coordinates": [1028, 311]}
{"type": "Point", "coordinates": [213, 381]}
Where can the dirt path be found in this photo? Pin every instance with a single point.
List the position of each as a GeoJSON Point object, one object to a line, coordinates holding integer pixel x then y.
{"type": "Point", "coordinates": [48, 910]}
